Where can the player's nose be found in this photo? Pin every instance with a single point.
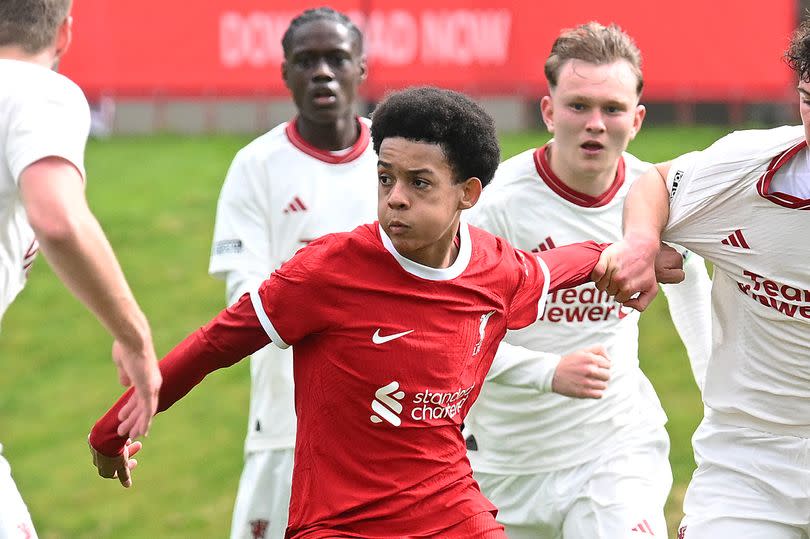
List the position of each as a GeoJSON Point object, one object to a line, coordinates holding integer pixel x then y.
{"type": "Point", "coordinates": [595, 122]}
{"type": "Point", "coordinates": [397, 196]}
{"type": "Point", "coordinates": [322, 70]}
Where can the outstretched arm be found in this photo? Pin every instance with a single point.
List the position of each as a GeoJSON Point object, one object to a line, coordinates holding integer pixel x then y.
{"type": "Point", "coordinates": [627, 267]}
{"type": "Point", "coordinates": [234, 334]}
{"type": "Point", "coordinates": [73, 242]}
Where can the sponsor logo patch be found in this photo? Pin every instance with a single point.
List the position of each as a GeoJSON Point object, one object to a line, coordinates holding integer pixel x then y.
{"type": "Point", "coordinates": [228, 247]}
{"type": "Point", "coordinates": [675, 181]}
{"type": "Point", "coordinates": [788, 300]}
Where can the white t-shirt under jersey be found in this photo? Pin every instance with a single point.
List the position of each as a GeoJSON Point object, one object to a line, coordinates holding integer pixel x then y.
{"type": "Point", "coordinates": [42, 114]}
{"type": "Point", "coordinates": [520, 431]}
{"type": "Point", "coordinates": [281, 193]}
{"type": "Point", "coordinates": [725, 205]}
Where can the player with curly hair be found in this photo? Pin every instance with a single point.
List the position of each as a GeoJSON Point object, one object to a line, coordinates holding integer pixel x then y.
{"type": "Point", "coordinates": [307, 177]}
{"type": "Point", "coordinates": [393, 327]}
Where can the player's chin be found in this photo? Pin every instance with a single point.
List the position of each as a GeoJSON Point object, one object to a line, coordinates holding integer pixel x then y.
{"type": "Point", "coordinates": [406, 246]}
{"type": "Point", "coordinates": [324, 115]}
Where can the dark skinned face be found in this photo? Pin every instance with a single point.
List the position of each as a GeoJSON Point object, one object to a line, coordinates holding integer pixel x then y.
{"type": "Point", "coordinates": [323, 71]}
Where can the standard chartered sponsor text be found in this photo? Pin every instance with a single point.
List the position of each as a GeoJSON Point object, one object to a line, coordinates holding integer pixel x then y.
{"type": "Point", "coordinates": [430, 405]}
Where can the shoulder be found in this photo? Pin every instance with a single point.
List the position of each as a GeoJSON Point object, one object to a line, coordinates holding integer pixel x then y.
{"type": "Point", "coordinates": [510, 180]}
{"type": "Point", "coordinates": [271, 143]}
{"type": "Point", "coordinates": [634, 167]}
{"type": "Point", "coordinates": [516, 169]}
{"type": "Point", "coordinates": [339, 252]}
{"type": "Point", "coordinates": [755, 144]}
{"type": "Point", "coordinates": [491, 251]}
{"type": "Point", "coordinates": [36, 86]}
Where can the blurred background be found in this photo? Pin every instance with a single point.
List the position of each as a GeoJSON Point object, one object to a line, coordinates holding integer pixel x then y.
{"type": "Point", "coordinates": [213, 65]}
{"type": "Point", "coordinates": [178, 87]}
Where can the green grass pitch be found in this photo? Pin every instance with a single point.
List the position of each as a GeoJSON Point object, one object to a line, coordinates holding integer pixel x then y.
{"type": "Point", "coordinates": [156, 198]}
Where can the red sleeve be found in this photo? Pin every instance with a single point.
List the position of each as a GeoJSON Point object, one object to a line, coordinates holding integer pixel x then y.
{"type": "Point", "coordinates": [571, 265]}
{"type": "Point", "coordinates": [225, 340]}
{"type": "Point", "coordinates": [562, 267]}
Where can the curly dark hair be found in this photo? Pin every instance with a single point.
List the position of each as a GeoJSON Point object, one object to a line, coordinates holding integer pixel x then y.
{"type": "Point", "coordinates": [465, 132]}
{"type": "Point", "coordinates": [797, 55]}
{"type": "Point", "coordinates": [320, 14]}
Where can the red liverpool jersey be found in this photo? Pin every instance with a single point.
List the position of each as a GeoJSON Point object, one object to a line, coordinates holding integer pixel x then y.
{"type": "Point", "coordinates": [389, 355]}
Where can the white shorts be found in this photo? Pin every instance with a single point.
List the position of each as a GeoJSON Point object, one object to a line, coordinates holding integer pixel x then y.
{"type": "Point", "coordinates": [619, 495]}
{"type": "Point", "coordinates": [263, 501]}
{"type": "Point", "coordinates": [748, 483]}
{"type": "Point", "coordinates": [15, 521]}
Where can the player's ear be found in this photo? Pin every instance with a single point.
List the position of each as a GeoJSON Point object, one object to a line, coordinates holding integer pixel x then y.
{"type": "Point", "coordinates": [547, 113]}
{"type": "Point", "coordinates": [284, 72]}
{"type": "Point", "coordinates": [470, 193]}
{"type": "Point", "coordinates": [363, 68]}
{"type": "Point", "coordinates": [64, 35]}
{"type": "Point", "coordinates": [638, 119]}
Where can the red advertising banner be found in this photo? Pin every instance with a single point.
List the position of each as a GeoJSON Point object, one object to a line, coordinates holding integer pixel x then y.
{"type": "Point", "coordinates": [726, 50]}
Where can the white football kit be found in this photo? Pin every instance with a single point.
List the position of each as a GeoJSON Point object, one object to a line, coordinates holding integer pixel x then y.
{"type": "Point", "coordinates": [42, 114]}
{"type": "Point", "coordinates": [281, 193]}
{"type": "Point", "coordinates": [557, 466]}
{"type": "Point", "coordinates": [743, 204]}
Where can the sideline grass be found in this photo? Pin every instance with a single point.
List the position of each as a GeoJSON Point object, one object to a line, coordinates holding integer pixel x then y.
{"type": "Point", "coordinates": [156, 198]}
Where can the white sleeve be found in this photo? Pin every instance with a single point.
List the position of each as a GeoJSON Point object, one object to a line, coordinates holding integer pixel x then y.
{"type": "Point", "coordinates": [690, 309]}
{"type": "Point", "coordinates": [520, 367]}
{"type": "Point", "coordinates": [699, 182]}
{"type": "Point", "coordinates": [242, 230]}
{"type": "Point", "coordinates": [53, 122]}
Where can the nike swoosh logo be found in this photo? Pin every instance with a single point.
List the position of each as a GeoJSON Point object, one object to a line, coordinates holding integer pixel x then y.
{"type": "Point", "coordinates": [382, 339]}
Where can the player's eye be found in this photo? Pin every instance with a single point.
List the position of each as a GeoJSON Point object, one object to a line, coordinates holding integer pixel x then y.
{"type": "Point", "coordinates": [338, 61]}
{"type": "Point", "coordinates": [303, 61]}
{"type": "Point", "coordinates": [420, 183]}
{"type": "Point", "coordinates": [577, 106]}
{"type": "Point", "coordinates": [385, 179]}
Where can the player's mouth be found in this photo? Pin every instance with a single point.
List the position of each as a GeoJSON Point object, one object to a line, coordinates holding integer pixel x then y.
{"type": "Point", "coordinates": [323, 97]}
{"type": "Point", "coordinates": [592, 147]}
{"type": "Point", "coordinates": [397, 227]}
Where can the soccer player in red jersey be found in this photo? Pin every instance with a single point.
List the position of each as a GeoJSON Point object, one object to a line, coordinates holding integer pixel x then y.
{"type": "Point", "coordinates": [394, 326]}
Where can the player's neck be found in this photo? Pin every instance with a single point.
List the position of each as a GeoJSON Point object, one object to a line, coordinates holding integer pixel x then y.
{"type": "Point", "coordinates": [337, 136]}
{"type": "Point", "coordinates": [588, 182]}
{"type": "Point", "coordinates": [440, 254]}
{"type": "Point", "coordinates": [44, 58]}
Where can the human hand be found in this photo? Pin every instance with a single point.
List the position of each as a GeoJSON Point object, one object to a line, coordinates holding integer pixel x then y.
{"type": "Point", "coordinates": [119, 466]}
{"type": "Point", "coordinates": [669, 265]}
{"type": "Point", "coordinates": [138, 367]}
{"type": "Point", "coordinates": [626, 270]}
{"type": "Point", "coordinates": [583, 374]}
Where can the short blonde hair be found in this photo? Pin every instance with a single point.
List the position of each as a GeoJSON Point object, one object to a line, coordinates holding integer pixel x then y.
{"type": "Point", "coordinates": [31, 24]}
{"type": "Point", "coordinates": [596, 44]}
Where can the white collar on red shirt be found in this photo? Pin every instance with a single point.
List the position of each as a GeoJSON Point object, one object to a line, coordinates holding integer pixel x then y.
{"type": "Point", "coordinates": [435, 274]}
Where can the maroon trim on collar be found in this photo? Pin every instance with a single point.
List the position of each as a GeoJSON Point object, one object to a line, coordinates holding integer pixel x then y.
{"type": "Point", "coordinates": [572, 195]}
{"type": "Point", "coordinates": [326, 156]}
{"type": "Point", "coordinates": [764, 183]}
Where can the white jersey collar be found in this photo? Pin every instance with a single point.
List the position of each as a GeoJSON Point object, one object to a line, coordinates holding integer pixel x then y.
{"type": "Point", "coordinates": [435, 274]}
